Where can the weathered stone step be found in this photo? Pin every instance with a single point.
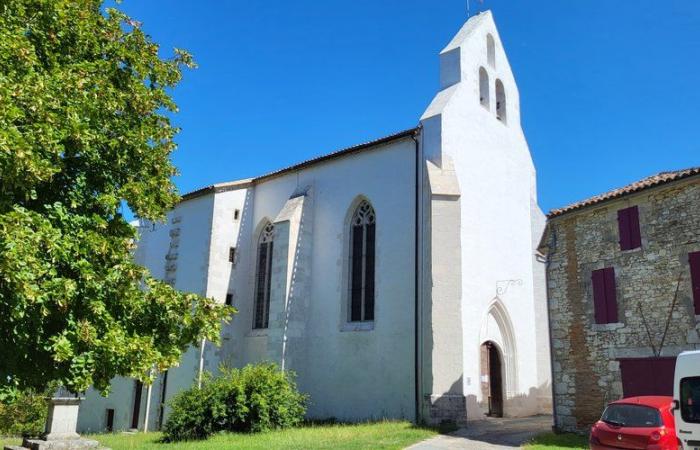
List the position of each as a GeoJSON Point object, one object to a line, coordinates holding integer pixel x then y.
{"type": "Point", "coordinates": [63, 444]}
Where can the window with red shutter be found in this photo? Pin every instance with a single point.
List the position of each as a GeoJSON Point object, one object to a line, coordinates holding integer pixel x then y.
{"type": "Point", "coordinates": [624, 229]}
{"type": "Point", "coordinates": [604, 295]}
{"type": "Point", "coordinates": [628, 226]}
{"type": "Point", "coordinates": [635, 229]}
{"type": "Point", "coordinates": [610, 294]}
{"type": "Point", "coordinates": [694, 260]}
{"type": "Point", "coordinates": [599, 307]}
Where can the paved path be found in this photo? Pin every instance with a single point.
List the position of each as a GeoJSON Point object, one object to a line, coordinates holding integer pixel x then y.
{"type": "Point", "coordinates": [490, 434]}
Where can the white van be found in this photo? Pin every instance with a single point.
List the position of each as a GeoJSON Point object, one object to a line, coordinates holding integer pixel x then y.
{"type": "Point", "coordinates": [686, 394]}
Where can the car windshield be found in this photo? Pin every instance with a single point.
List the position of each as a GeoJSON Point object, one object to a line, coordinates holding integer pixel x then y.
{"type": "Point", "coordinates": [690, 399]}
{"type": "Point", "coordinates": [632, 416]}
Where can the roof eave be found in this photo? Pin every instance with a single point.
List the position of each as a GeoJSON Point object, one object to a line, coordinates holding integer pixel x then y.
{"type": "Point", "coordinates": [215, 188]}
{"type": "Point", "coordinates": [239, 184]}
{"type": "Point", "coordinates": [624, 192]}
{"type": "Point", "coordinates": [339, 154]}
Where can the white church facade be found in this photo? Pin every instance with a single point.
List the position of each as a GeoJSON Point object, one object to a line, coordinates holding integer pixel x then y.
{"type": "Point", "coordinates": [398, 278]}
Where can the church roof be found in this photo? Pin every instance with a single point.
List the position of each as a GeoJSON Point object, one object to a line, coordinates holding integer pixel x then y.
{"type": "Point", "coordinates": [648, 182]}
{"type": "Point", "coordinates": [342, 152]}
{"type": "Point", "coordinates": [219, 187]}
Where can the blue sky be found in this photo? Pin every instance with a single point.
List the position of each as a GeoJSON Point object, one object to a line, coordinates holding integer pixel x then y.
{"type": "Point", "coordinates": [609, 89]}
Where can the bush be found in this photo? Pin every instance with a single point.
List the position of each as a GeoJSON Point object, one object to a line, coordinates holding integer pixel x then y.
{"type": "Point", "coordinates": [256, 398]}
{"type": "Point", "coordinates": [23, 414]}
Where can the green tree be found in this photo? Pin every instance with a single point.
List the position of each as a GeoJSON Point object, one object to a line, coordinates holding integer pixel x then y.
{"type": "Point", "coordinates": [84, 127]}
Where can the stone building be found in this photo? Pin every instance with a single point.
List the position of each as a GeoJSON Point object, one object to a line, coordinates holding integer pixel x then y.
{"type": "Point", "coordinates": [623, 271]}
{"type": "Point", "coordinates": [398, 278]}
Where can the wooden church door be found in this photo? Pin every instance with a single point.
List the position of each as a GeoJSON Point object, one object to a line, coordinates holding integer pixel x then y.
{"type": "Point", "coordinates": [492, 378]}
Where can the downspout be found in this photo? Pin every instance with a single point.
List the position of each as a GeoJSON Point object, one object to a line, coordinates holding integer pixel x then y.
{"type": "Point", "coordinates": [546, 260]}
{"type": "Point", "coordinates": [148, 405]}
{"type": "Point", "coordinates": [201, 363]}
{"type": "Point", "coordinates": [417, 278]}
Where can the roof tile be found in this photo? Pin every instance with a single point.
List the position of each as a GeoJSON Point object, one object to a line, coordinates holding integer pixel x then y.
{"type": "Point", "coordinates": [648, 182]}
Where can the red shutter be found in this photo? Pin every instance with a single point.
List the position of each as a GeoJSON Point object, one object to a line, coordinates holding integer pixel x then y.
{"type": "Point", "coordinates": [635, 235]}
{"type": "Point", "coordinates": [610, 294]}
{"type": "Point", "coordinates": [624, 228]}
{"type": "Point", "coordinates": [694, 260]}
{"type": "Point", "coordinates": [628, 226]}
{"type": "Point", "coordinates": [599, 306]}
{"type": "Point", "coordinates": [604, 295]}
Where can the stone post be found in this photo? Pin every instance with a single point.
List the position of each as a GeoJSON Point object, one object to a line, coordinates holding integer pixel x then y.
{"type": "Point", "coordinates": [61, 426]}
{"type": "Point", "coordinates": [62, 421]}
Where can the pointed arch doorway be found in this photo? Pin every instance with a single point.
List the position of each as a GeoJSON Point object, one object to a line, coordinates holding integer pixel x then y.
{"type": "Point", "coordinates": [492, 378]}
{"type": "Point", "coordinates": [498, 368]}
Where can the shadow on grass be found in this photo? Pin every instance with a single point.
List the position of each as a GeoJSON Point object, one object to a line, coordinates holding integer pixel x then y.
{"type": "Point", "coordinates": [443, 428]}
{"type": "Point", "coordinates": [562, 440]}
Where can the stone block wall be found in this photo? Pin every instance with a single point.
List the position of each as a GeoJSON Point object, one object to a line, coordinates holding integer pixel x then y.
{"type": "Point", "coordinates": [585, 355]}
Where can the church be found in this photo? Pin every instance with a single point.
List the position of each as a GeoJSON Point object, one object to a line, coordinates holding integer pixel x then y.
{"type": "Point", "coordinates": [399, 278]}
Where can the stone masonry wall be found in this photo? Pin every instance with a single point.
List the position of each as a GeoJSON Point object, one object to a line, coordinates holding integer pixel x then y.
{"type": "Point", "coordinates": [586, 371]}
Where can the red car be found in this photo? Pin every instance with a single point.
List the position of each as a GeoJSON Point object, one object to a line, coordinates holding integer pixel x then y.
{"type": "Point", "coordinates": [636, 423]}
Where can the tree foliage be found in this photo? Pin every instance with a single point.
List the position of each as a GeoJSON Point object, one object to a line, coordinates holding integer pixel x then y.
{"type": "Point", "coordinates": [24, 413]}
{"type": "Point", "coordinates": [84, 127]}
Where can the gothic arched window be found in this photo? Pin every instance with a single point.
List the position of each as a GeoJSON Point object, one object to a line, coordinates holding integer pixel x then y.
{"type": "Point", "coordinates": [501, 110]}
{"type": "Point", "coordinates": [491, 51]}
{"type": "Point", "coordinates": [261, 314]}
{"type": "Point", "coordinates": [484, 88]}
{"type": "Point", "coordinates": [362, 248]}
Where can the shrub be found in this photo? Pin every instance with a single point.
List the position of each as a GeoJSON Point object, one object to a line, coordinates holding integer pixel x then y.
{"type": "Point", "coordinates": [23, 413]}
{"type": "Point", "coordinates": [252, 399]}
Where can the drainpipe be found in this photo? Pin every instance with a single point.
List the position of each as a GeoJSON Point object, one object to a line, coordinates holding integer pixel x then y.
{"type": "Point", "coordinates": [148, 406]}
{"type": "Point", "coordinates": [201, 364]}
{"type": "Point", "coordinates": [546, 260]}
{"type": "Point", "coordinates": [417, 285]}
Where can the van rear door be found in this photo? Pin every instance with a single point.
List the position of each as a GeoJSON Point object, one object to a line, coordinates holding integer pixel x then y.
{"type": "Point", "coordinates": [686, 391]}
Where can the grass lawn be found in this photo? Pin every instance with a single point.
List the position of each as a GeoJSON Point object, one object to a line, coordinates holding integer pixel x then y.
{"type": "Point", "coordinates": [379, 435]}
{"type": "Point", "coordinates": [551, 441]}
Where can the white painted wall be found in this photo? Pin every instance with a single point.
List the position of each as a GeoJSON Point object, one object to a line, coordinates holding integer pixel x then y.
{"type": "Point", "coordinates": [498, 207]}
{"type": "Point", "coordinates": [350, 375]}
{"type": "Point", "coordinates": [221, 273]}
{"type": "Point", "coordinates": [224, 235]}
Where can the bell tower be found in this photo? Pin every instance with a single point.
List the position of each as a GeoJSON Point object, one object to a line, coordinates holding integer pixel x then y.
{"type": "Point", "coordinates": [479, 213]}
